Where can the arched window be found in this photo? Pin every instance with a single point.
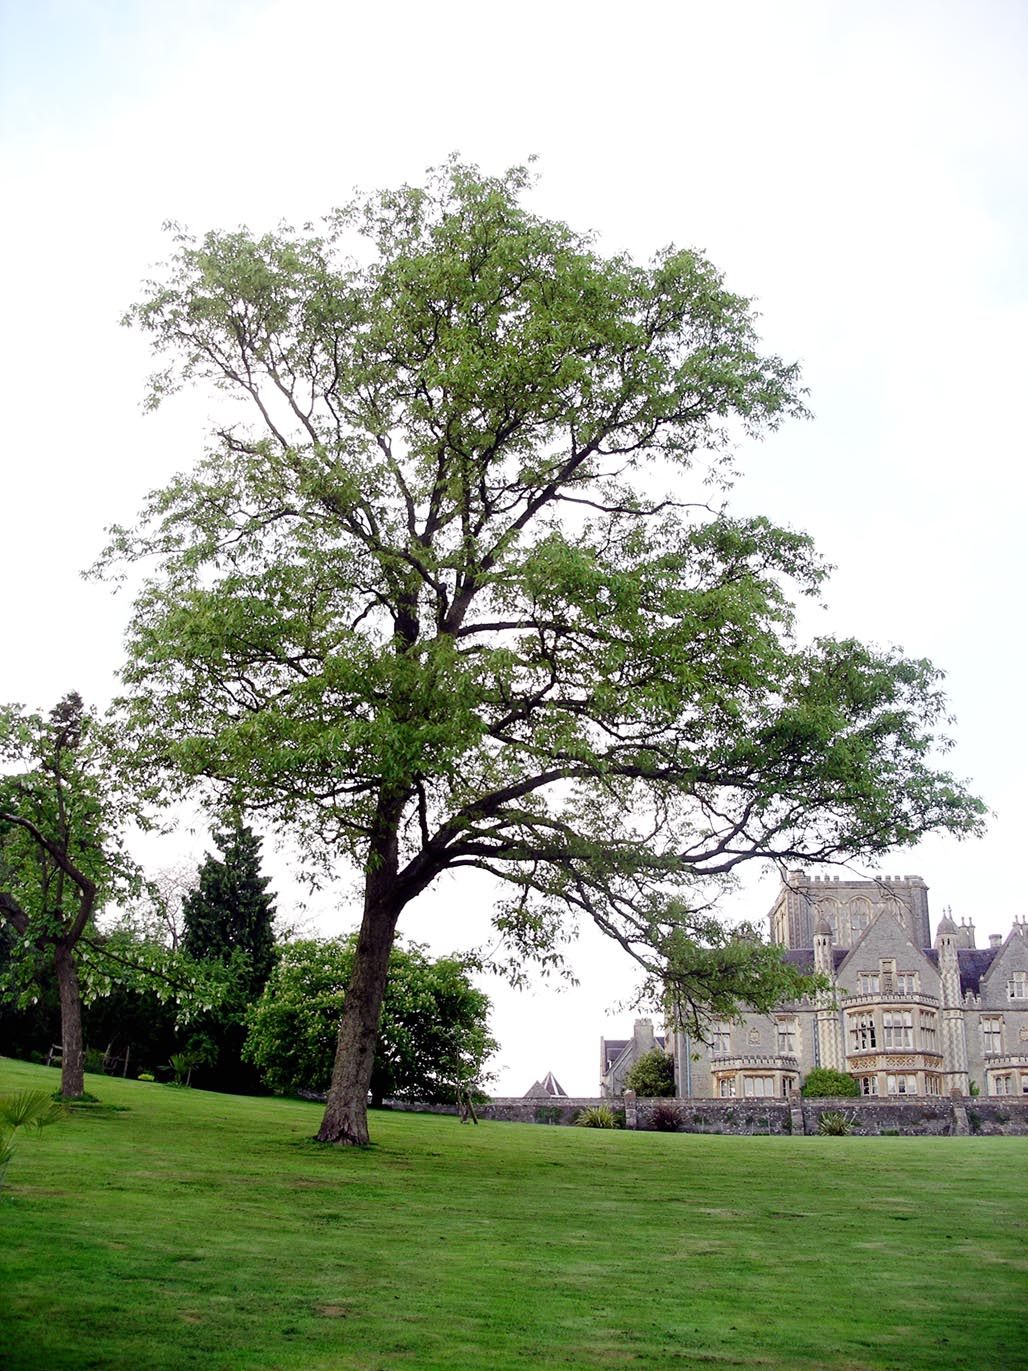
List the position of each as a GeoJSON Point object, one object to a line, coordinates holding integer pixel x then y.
{"type": "Point", "coordinates": [860, 915]}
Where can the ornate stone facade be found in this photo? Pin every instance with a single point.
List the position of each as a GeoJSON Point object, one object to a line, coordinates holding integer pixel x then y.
{"type": "Point", "coordinates": [902, 1016]}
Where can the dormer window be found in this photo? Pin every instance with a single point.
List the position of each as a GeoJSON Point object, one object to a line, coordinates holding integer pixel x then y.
{"type": "Point", "coordinates": [1017, 986]}
{"type": "Point", "coordinates": [868, 983]}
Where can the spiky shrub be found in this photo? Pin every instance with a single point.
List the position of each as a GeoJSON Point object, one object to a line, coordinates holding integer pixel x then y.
{"type": "Point", "coordinates": [24, 1109]}
{"type": "Point", "coordinates": [597, 1116]}
{"type": "Point", "coordinates": [833, 1124]}
{"type": "Point", "coordinates": [665, 1118]}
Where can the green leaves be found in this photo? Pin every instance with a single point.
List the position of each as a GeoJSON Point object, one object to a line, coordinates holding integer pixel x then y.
{"type": "Point", "coordinates": [447, 601]}
{"type": "Point", "coordinates": [433, 1035]}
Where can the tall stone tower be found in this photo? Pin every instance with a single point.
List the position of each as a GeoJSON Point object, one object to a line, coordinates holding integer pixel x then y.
{"type": "Point", "coordinates": [829, 1033]}
{"type": "Point", "coordinates": [954, 1037]}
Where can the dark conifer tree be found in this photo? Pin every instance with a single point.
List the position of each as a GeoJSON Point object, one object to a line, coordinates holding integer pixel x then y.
{"type": "Point", "coordinates": [230, 912]}
{"type": "Point", "coordinates": [231, 909]}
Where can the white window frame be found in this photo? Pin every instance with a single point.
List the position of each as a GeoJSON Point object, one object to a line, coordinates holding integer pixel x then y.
{"type": "Point", "coordinates": [863, 1032]}
{"type": "Point", "coordinates": [897, 1036]}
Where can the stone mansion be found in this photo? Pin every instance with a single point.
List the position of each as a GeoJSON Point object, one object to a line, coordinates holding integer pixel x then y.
{"type": "Point", "coordinates": [903, 1015]}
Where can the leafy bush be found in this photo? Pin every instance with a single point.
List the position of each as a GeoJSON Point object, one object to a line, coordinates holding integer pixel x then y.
{"type": "Point", "coordinates": [823, 1082]}
{"type": "Point", "coordinates": [652, 1076]}
{"type": "Point", "coordinates": [145, 1076]}
{"type": "Point", "coordinates": [597, 1116]}
{"type": "Point", "coordinates": [665, 1118]}
{"type": "Point", "coordinates": [833, 1124]}
{"type": "Point", "coordinates": [433, 1037]}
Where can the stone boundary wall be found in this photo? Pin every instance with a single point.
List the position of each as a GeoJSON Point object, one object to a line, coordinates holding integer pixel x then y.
{"type": "Point", "coordinates": [554, 1109]}
{"type": "Point", "coordinates": [922, 1116]}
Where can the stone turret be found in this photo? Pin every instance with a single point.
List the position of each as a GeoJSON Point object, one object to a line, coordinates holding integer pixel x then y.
{"type": "Point", "coordinates": [829, 1033]}
{"type": "Point", "coordinates": [947, 941]}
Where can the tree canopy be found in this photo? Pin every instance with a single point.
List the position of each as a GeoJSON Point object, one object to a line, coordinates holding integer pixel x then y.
{"type": "Point", "coordinates": [433, 1038]}
{"type": "Point", "coordinates": [438, 597]}
{"type": "Point", "coordinates": [653, 1075]}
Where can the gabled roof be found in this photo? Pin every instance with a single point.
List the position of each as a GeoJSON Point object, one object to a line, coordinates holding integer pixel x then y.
{"type": "Point", "coordinates": [615, 1048]}
{"type": "Point", "coordinates": [612, 1050]}
{"type": "Point", "coordinates": [972, 962]}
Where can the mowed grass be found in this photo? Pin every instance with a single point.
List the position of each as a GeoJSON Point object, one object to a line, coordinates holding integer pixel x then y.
{"type": "Point", "coordinates": [175, 1228]}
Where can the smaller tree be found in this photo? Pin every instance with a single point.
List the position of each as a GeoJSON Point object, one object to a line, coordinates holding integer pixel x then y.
{"type": "Point", "coordinates": [434, 1037]}
{"type": "Point", "coordinates": [824, 1083]}
{"type": "Point", "coordinates": [653, 1075]}
{"type": "Point", "coordinates": [63, 806]}
{"type": "Point", "coordinates": [60, 856]}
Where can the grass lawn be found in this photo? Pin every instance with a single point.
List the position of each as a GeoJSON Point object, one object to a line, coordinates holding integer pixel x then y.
{"type": "Point", "coordinates": [172, 1228]}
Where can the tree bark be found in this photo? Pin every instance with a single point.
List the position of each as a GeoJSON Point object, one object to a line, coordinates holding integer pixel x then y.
{"type": "Point", "coordinates": [72, 1054]}
{"type": "Point", "coordinates": [346, 1108]}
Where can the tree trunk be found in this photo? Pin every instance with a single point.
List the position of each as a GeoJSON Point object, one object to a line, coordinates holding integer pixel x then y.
{"type": "Point", "coordinates": [72, 1055]}
{"type": "Point", "coordinates": [346, 1108]}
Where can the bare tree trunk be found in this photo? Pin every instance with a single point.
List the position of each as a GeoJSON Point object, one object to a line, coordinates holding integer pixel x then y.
{"type": "Point", "coordinates": [72, 1055]}
{"type": "Point", "coordinates": [346, 1108]}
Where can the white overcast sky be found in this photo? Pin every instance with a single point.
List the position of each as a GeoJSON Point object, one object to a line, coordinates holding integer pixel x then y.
{"type": "Point", "coordinates": [858, 167]}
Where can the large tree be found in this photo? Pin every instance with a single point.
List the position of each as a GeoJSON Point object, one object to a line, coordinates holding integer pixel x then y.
{"type": "Point", "coordinates": [445, 601]}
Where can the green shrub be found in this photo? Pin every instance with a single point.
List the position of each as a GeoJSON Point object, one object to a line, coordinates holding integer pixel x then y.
{"type": "Point", "coordinates": [145, 1076]}
{"type": "Point", "coordinates": [652, 1076]}
{"type": "Point", "coordinates": [597, 1116]}
{"type": "Point", "coordinates": [833, 1124]}
{"type": "Point", "coordinates": [823, 1082]}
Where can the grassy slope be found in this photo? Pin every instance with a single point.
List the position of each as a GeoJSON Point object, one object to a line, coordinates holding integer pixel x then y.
{"type": "Point", "coordinates": [176, 1228]}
